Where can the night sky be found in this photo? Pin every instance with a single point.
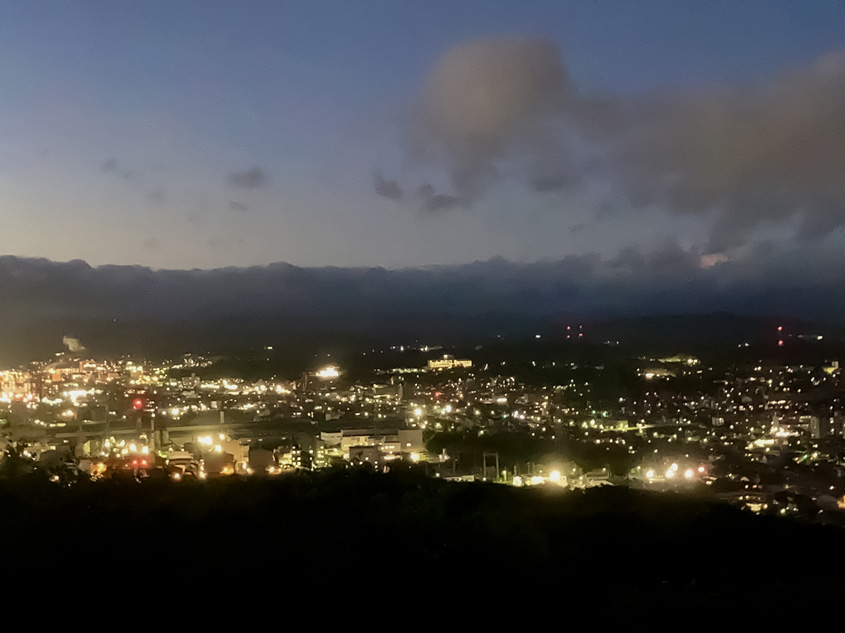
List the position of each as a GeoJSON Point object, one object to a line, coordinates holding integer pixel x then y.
{"type": "Point", "coordinates": [399, 134]}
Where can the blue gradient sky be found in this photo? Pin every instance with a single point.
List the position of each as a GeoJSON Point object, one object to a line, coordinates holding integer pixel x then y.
{"type": "Point", "coordinates": [121, 124]}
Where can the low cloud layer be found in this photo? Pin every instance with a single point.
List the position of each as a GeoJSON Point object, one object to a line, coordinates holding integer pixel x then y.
{"type": "Point", "coordinates": [210, 307]}
{"type": "Point", "coordinates": [743, 156]}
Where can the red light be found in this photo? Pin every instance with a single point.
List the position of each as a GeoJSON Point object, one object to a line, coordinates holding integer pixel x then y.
{"type": "Point", "coordinates": [134, 462]}
{"type": "Point", "coordinates": [780, 343]}
{"type": "Point", "coordinates": [780, 328]}
{"type": "Point", "coordinates": [137, 404]}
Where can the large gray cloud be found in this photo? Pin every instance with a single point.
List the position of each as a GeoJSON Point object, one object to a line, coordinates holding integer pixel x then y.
{"type": "Point", "coordinates": [742, 155]}
{"type": "Point", "coordinates": [746, 155]}
{"type": "Point", "coordinates": [488, 100]}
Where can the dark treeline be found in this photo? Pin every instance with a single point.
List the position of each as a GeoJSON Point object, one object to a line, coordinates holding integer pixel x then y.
{"type": "Point", "coordinates": [355, 533]}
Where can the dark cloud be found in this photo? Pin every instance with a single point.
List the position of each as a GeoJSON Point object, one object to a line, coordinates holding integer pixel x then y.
{"type": "Point", "coordinates": [388, 188]}
{"type": "Point", "coordinates": [252, 178]}
{"type": "Point", "coordinates": [433, 201]}
{"type": "Point", "coordinates": [112, 166]}
{"type": "Point", "coordinates": [425, 191]}
{"type": "Point", "coordinates": [234, 205]}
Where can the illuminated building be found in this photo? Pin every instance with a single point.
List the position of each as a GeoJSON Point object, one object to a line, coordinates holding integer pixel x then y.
{"type": "Point", "coordinates": [448, 362]}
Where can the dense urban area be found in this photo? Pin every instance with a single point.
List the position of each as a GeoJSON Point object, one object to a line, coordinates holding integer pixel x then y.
{"type": "Point", "coordinates": [764, 436]}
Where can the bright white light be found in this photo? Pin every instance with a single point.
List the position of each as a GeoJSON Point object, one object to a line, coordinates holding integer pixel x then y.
{"type": "Point", "coordinates": [650, 473]}
{"type": "Point", "coordinates": [554, 476]}
{"type": "Point", "coordinates": [328, 372]}
{"type": "Point", "coordinates": [670, 473]}
{"type": "Point", "coordinates": [536, 480]}
{"type": "Point", "coordinates": [415, 457]}
{"type": "Point", "coordinates": [418, 412]}
{"type": "Point", "coordinates": [688, 473]}
{"type": "Point", "coordinates": [517, 481]}
{"type": "Point", "coordinates": [205, 439]}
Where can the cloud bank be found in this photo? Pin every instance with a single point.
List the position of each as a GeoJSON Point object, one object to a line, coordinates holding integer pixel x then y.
{"type": "Point", "coordinates": [743, 156]}
{"type": "Point", "coordinates": [185, 309]}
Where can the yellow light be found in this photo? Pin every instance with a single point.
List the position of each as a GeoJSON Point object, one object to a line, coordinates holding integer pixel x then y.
{"type": "Point", "coordinates": [415, 457]}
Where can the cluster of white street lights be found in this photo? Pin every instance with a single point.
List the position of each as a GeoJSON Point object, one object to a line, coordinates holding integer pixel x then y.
{"type": "Point", "coordinates": [674, 471]}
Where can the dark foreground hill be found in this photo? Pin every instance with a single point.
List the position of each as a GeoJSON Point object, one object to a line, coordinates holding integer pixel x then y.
{"type": "Point", "coordinates": [402, 540]}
